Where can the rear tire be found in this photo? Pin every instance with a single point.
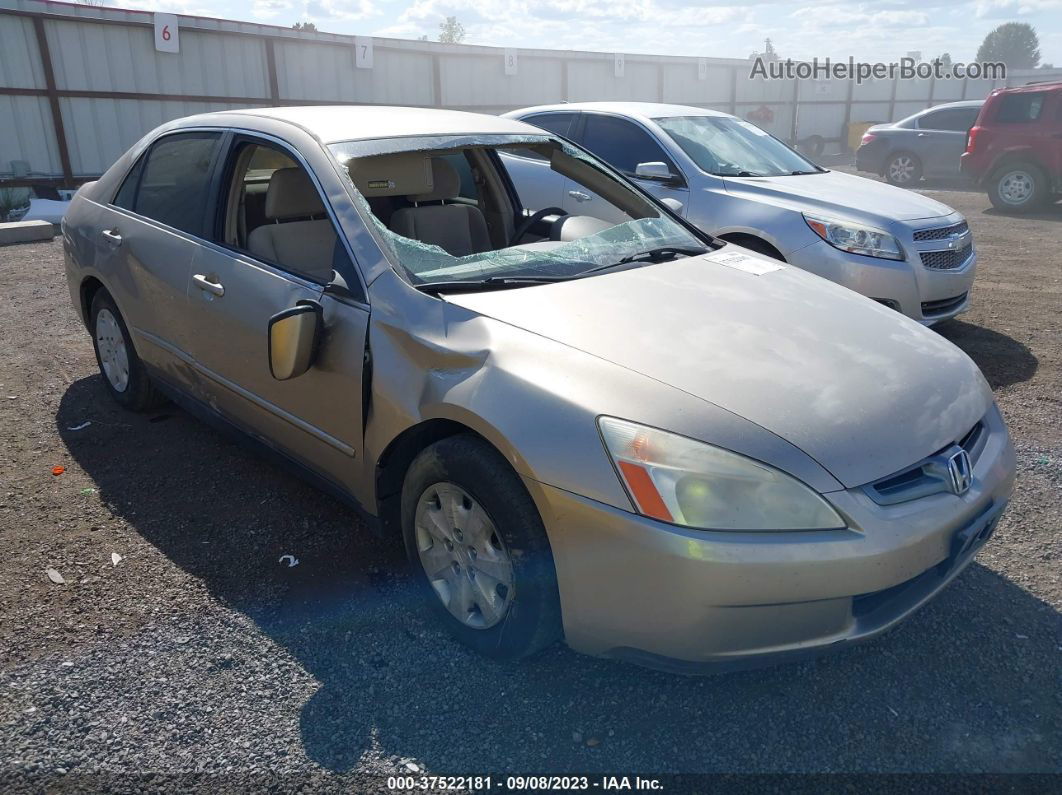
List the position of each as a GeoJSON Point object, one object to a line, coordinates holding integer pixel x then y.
{"type": "Point", "coordinates": [123, 373]}
{"type": "Point", "coordinates": [1018, 188]}
{"type": "Point", "coordinates": [454, 488]}
{"type": "Point", "coordinates": [903, 169]}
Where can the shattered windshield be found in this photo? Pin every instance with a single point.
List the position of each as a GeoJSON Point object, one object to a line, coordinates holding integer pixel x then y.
{"type": "Point", "coordinates": [730, 147]}
{"type": "Point", "coordinates": [501, 207]}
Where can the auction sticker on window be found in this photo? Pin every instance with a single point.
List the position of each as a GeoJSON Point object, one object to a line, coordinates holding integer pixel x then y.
{"type": "Point", "coordinates": [743, 262]}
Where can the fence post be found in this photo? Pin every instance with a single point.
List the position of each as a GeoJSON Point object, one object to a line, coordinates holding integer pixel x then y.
{"type": "Point", "coordinates": [733, 90]}
{"type": "Point", "coordinates": [892, 99]}
{"type": "Point", "coordinates": [796, 105]}
{"type": "Point", "coordinates": [436, 79]}
{"type": "Point", "coordinates": [271, 68]}
{"type": "Point", "coordinates": [53, 101]}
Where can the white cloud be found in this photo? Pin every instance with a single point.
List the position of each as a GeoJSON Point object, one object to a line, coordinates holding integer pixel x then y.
{"type": "Point", "coordinates": [341, 9]}
{"type": "Point", "coordinates": [1000, 9]}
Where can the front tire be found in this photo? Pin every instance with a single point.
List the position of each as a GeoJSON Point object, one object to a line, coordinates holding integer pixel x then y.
{"type": "Point", "coordinates": [903, 170]}
{"type": "Point", "coordinates": [479, 549]}
{"type": "Point", "coordinates": [123, 373]}
{"type": "Point", "coordinates": [1018, 188]}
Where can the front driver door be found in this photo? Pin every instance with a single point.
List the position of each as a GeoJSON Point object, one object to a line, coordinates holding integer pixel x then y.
{"type": "Point", "coordinates": [623, 145]}
{"type": "Point", "coordinates": [241, 279]}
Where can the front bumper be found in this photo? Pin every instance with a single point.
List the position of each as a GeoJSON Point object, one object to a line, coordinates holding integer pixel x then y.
{"type": "Point", "coordinates": [926, 295]}
{"type": "Point", "coordinates": [688, 600]}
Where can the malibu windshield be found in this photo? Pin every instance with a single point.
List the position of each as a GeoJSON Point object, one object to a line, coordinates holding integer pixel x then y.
{"type": "Point", "coordinates": [730, 147]}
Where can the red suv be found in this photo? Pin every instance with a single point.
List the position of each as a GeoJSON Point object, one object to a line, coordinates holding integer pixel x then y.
{"type": "Point", "coordinates": [1014, 148]}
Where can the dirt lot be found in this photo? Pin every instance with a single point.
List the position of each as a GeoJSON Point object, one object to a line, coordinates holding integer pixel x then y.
{"type": "Point", "coordinates": [199, 653]}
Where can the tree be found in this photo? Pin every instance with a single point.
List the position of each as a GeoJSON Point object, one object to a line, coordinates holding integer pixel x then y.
{"type": "Point", "coordinates": [451, 31]}
{"type": "Point", "coordinates": [945, 62]}
{"type": "Point", "coordinates": [1013, 43]}
{"type": "Point", "coordinates": [304, 26]}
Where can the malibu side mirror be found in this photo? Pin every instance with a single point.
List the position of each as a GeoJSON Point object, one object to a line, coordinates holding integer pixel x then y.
{"type": "Point", "coordinates": [672, 204]}
{"type": "Point", "coordinates": [656, 171]}
{"type": "Point", "coordinates": [293, 338]}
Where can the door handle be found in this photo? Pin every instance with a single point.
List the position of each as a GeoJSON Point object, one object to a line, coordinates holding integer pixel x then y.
{"type": "Point", "coordinates": [112, 236]}
{"type": "Point", "coordinates": [922, 135]}
{"type": "Point", "coordinates": [205, 283]}
{"type": "Point", "coordinates": [579, 196]}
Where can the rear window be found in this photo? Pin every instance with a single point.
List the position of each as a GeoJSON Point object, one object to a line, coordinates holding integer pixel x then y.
{"type": "Point", "coordinates": [1020, 108]}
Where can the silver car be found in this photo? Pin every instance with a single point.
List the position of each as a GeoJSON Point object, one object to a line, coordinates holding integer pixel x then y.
{"type": "Point", "coordinates": [632, 436]}
{"type": "Point", "coordinates": [734, 180]}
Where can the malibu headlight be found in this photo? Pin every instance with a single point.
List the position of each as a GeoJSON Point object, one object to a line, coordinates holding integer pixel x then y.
{"type": "Point", "coordinates": [855, 238]}
{"type": "Point", "coordinates": [682, 481]}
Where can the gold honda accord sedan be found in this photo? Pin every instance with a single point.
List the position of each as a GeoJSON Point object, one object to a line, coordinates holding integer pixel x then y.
{"type": "Point", "coordinates": [614, 430]}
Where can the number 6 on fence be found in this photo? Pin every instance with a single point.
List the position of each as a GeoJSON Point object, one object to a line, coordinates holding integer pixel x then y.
{"type": "Point", "coordinates": [167, 33]}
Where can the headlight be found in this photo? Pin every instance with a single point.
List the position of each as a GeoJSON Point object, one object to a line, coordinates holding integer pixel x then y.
{"type": "Point", "coordinates": [691, 483]}
{"type": "Point", "coordinates": [857, 239]}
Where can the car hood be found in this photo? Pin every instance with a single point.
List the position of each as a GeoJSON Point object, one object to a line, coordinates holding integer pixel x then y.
{"type": "Point", "coordinates": [860, 388]}
{"type": "Point", "coordinates": [841, 195]}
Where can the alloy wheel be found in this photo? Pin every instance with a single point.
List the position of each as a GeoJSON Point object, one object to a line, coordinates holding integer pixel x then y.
{"type": "Point", "coordinates": [901, 169]}
{"type": "Point", "coordinates": [463, 556]}
{"type": "Point", "coordinates": [114, 358]}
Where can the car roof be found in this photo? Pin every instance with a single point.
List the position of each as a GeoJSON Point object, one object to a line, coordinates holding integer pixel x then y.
{"type": "Point", "coordinates": [1052, 86]}
{"type": "Point", "coordinates": [332, 123]}
{"type": "Point", "coordinates": [644, 111]}
{"type": "Point", "coordinates": [966, 103]}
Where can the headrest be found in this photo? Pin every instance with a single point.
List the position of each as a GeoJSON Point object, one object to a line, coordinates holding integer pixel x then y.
{"type": "Point", "coordinates": [291, 194]}
{"type": "Point", "coordinates": [400, 174]}
{"type": "Point", "coordinates": [446, 181]}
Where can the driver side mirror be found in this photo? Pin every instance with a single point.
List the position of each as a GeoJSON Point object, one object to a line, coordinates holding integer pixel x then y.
{"type": "Point", "coordinates": [293, 338]}
{"type": "Point", "coordinates": [655, 171]}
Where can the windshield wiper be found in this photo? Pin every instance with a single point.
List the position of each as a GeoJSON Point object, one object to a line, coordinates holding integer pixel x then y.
{"type": "Point", "coordinates": [490, 283]}
{"type": "Point", "coordinates": [656, 255]}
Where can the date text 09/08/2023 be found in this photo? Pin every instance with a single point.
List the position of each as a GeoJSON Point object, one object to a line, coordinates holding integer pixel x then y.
{"type": "Point", "coordinates": [523, 783]}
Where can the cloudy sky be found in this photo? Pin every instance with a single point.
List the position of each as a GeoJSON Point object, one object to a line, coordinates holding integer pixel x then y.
{"type": "Point", "coordinates": [802, 29]}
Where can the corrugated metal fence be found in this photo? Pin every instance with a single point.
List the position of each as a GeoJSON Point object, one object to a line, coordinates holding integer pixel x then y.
{"type": "Point", "coordinates": [79, 84]}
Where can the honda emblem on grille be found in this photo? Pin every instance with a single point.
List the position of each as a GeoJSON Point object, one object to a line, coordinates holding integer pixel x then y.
{"type": "Point", "coordinates": [960, 471]}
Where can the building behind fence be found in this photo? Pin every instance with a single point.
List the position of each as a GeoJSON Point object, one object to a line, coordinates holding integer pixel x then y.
{"type": "Point", "coordinates": [80, 84]}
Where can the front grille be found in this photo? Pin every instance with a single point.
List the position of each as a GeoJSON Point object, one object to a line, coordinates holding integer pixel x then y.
{"type": "Point", "coordinates": [942, 232]}
{"type": "Point", "coordinates": [943, 306]}
{"type": "Point", "coordinates": [925, 478]}
{"type": "Point", "coordinates": [947, 260]}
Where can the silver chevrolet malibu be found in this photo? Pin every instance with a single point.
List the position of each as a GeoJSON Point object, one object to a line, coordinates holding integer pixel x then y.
{"type": "Point", "coordinates": [615, 430]}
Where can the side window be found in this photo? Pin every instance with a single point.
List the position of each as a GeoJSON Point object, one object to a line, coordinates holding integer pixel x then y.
{"type": "Point", "coordinates": [622, 144]}
{"type": "Point", "coordinates": [1020, 108]}
{"type": "Point", "coordinates": [949, 120]}
{"type": "Point", "coordinates": [126, 195]}
{"type": "Point", "coordinates": [557, 123]}
{"type": "Point", "coordinates": [174, 187]}
{"type": "Point", "coordinates": [274, 212]}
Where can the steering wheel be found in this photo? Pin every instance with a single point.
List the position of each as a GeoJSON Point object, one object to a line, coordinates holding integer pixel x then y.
{"type": "Point", "coordinates": [531, 220]}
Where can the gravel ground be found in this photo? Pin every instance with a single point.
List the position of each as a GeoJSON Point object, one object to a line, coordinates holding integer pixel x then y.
{"type": "Point", "coordinates": [197, 652]}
